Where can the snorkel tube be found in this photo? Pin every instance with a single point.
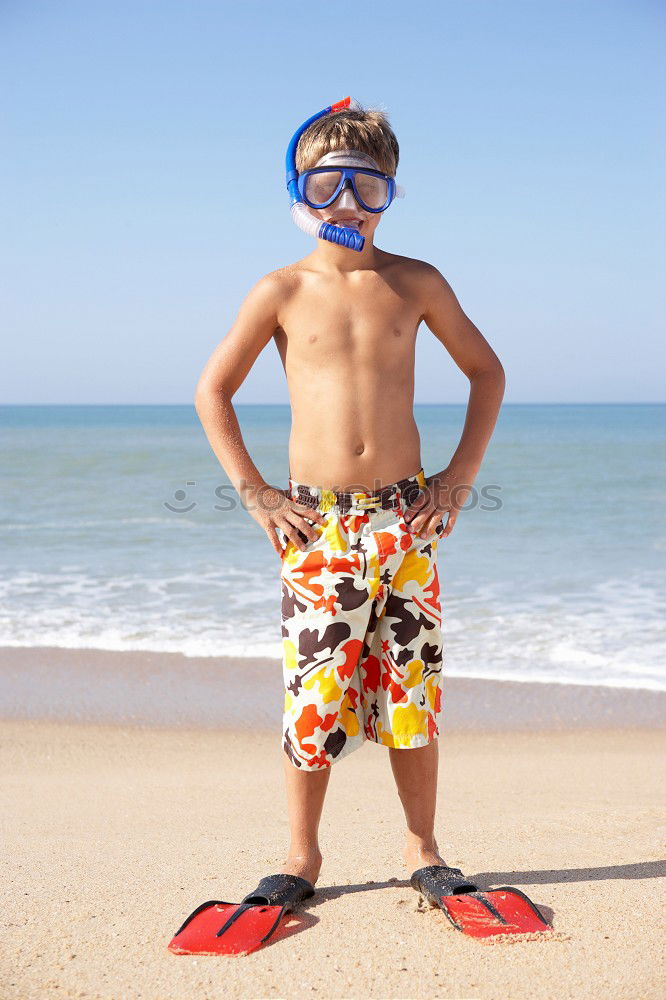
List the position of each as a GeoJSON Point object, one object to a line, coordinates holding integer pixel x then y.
{"type": "Point", "coordinates": [345, 236]}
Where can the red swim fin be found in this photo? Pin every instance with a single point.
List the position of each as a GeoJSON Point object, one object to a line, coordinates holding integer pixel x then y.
{"type": "Point", "coordinates": [498, 911]}
{"type": "Point", "coordinates": [505, 910]}
{"type": "Point", "coordinates": [219, 928]}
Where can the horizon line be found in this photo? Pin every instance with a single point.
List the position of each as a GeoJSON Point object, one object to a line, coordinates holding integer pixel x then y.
{"type": "Point", "coordinates": [573, 402]}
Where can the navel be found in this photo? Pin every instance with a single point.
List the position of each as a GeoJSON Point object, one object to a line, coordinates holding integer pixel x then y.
{"type": "Point", "coordinates": [360, 448]}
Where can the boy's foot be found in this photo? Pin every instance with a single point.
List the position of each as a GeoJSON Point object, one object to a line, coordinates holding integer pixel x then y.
{"type": "Point", "coordinates": [305, 865]}
{"type": "Point", "coordinates": [418, 855]}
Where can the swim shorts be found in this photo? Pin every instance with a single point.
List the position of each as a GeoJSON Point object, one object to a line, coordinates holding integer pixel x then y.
{"type": "Point", "coordinates": [361, 626]}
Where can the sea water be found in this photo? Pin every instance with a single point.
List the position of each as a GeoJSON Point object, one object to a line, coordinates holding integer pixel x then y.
{"type": "Point", "coordinates": [120, 531]}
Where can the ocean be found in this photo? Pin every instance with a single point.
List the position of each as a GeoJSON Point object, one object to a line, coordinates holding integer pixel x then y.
{"type": "Point", "coordinates": [120, 531]}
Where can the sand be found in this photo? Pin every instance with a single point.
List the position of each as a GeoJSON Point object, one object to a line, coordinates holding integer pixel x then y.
{"type": "Point", "coordinates": [93, 685]}
{"type": "Point", "coordinates": [113, 833]}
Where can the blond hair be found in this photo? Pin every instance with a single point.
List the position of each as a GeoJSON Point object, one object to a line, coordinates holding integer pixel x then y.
{"type": "Point", "coordinates": [366, 131]}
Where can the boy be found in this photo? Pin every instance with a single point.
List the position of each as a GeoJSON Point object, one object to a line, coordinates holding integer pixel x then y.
{"type": "Point", "coordinates": [360, 522]}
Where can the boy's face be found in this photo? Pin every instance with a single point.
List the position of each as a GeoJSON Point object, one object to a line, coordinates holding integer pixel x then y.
{"type": "Point", "coordinates": [345, 210]}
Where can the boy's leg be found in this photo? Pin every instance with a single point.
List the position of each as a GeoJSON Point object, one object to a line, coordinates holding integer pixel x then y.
{"type": "Point", "coordinates": [408, 645]}
{"type": "Point", "coordinates": [415, 773]}
{"type": "Point", "coordinates": [327, 597]}
{"type": "Point", "coordinates": [306, 791]}
{"type": "Point", "coordinates": [321, 638]}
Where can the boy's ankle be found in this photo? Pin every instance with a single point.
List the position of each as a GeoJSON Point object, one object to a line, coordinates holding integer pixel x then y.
{"type": "Point", "coordinates": [428, 843]}
{"type": "Point", "coordinates": [304, 854]}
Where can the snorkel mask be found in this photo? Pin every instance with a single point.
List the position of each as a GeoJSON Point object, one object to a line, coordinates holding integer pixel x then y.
{"type": "Point", "coordinates": [319, 188]}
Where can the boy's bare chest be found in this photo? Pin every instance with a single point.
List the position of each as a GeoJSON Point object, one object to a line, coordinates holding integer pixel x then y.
{"type": "Point", "coordinates": [334, 322]}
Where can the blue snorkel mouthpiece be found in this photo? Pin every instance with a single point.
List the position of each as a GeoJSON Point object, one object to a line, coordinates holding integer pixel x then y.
{"type": "Point", "coordinates": [344, 236]}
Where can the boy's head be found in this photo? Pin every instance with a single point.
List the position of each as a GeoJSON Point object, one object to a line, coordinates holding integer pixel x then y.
{"type": "Point", "coordinates": [366, 132]}
{"type": "Point", "coordinates": [354, 138]}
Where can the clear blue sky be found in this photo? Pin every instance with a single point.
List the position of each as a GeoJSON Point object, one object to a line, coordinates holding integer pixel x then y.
{"type": "Point", "coordinates": [143, 184]}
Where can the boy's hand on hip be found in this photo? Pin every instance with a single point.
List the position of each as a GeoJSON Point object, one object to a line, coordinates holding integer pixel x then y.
{"type": "Point", "coordinates": [445, 493]}
{"type": "Point", "coordinates": [278, 511]}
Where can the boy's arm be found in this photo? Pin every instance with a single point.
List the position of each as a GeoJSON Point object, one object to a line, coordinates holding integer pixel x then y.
{"type": "Point", "coordinates": [226, 371]}
{"type": "Point", "coordinates": [475, 357]}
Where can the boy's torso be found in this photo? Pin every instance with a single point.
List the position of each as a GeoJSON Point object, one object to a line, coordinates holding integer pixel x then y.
{"type": "Point", "coordinates": [347, 343]}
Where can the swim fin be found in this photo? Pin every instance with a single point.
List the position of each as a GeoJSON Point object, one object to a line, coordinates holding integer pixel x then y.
{"type": "Point", "coordinates": [479, 913]}
{"type": "Point", "coordinates": [219, 928]}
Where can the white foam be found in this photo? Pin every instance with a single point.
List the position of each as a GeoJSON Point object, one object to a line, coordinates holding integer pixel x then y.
{"type": "Point", "coordinates": [611, 634]}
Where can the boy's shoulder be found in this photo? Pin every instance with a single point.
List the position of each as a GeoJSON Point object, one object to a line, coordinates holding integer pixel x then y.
{"type": "Point", "coordinates": [283, 278]}
{"type": "Point", "coordinates": [291, 274]}
{"type": "Point", "coordinates": [274, 288]}
{"type": "Point", "coordinates": [277, 286]}
{"type": "Point", "coordinates": [416, 278]}
{"type": "Point", "coordinates": [412, 266]}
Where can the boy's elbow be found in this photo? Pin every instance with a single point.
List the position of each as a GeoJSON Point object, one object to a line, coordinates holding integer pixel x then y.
{"type": "Point", "coordinates": [492, 369]}
{"type": "Point", "coordinates": [199, 395]}
{"type": "Point", "coordinates": [499, 378]}
{"type": "Point", "coordinates": [202, 396]}
{"type": "Point", "coordinates": [209, 396]}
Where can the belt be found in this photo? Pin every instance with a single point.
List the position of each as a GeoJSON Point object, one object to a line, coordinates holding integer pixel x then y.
{"type": "Point", "coordinates": [386, 498]}
{"type": "Point", "coordinates": [364, 502]}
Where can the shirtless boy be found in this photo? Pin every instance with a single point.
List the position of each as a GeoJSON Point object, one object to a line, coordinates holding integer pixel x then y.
{"type": "Point", "coordinates": [357, 529]}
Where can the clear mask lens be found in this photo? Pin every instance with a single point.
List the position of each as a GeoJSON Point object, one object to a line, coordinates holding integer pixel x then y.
{"type": "Point", "coordinates": [321, 186]}
{"type": "Point", "coordinates": [373, 191]}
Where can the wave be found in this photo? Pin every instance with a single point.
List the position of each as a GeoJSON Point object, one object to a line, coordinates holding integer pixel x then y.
{"type": "Point", "coordinates": [610, 634]}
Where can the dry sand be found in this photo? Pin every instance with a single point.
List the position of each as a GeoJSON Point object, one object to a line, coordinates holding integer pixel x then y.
{"type": "Point", "coordinates": [112, 834]}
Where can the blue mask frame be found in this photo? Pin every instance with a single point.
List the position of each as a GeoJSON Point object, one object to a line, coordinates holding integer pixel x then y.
{"type": "Point", "coordinates": [347, 179]}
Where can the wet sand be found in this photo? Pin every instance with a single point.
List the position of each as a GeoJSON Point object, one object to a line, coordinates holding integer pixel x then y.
{"type": "Point", "coordinates": [169, 689]}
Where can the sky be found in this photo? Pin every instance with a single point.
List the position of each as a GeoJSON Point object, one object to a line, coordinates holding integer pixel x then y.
{"type": "Point", "coordinates": [142, 184]}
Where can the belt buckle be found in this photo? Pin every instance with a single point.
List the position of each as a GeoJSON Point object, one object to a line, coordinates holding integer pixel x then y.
{"type": "Point", "coordinates": [365, 502]}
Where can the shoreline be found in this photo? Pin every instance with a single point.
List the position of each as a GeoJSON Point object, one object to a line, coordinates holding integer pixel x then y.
{"type": "Point", "coordinates": [171, 690]}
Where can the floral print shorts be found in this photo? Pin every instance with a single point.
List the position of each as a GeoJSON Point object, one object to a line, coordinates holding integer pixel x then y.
{"type": "Point", "coordinates": [361, 627]}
